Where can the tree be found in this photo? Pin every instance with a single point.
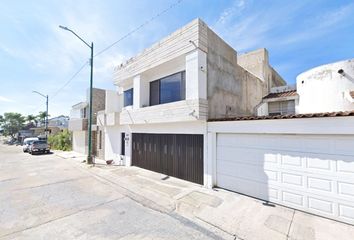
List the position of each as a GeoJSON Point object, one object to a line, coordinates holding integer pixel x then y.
{"type": "Point", "coordinates": [30, 118]}
{"type": "Point", "coordinates": [11, 123]}
{"type": "Point", "coordinates": [60, 141]}
{"type": "Point", "coordinates": [42, 117]}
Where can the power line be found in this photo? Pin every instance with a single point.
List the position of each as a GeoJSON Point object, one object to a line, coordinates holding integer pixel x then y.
{"type": "Point", "coordinates": [114, 43]}
{"type": "Point", "coordinates": [141, 26]}
{"type": "Point", "coordinates": [72, 78]}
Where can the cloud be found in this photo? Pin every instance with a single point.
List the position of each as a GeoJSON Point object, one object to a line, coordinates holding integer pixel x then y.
{"type": "Point", "coordinates": [5, 99]}
{"type": "Point", "coordinates": [320, 25]}
{"type": "Point", "coordinates": [248, 25]}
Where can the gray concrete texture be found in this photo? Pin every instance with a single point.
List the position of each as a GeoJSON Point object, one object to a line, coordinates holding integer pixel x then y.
{"type": "Point", "coordinates": [232, 214]}
{"type": "Point", "coordinates": [47, 197]}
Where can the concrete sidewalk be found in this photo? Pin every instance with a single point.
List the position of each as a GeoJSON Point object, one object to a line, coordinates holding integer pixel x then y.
{"type": "Point", "coordinates": [235, 214]}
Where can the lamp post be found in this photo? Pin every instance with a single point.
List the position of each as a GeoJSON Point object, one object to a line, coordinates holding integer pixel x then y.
{"type": "Point", "coordinates": [89, 157]}
{"type": "Point", "coordinates": [46, 112]}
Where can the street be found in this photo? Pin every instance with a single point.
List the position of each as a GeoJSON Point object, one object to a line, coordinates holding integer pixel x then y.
{"type": "Point", "coordinates": [47, 197]}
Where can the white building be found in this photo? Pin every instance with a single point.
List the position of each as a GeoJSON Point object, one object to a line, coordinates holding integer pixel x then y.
{"type": "Point", "coordinates": [327, 88]}
{"type": "Point", "coordinates": [158, 117]}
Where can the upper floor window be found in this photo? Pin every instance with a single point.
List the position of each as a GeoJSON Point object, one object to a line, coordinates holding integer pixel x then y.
{"type": "Point", "coordinates": [128, 97]}
{"type": "Point", "coordinates": [83, 112]}
{"type": "Point", "coordinates": [168, 89]}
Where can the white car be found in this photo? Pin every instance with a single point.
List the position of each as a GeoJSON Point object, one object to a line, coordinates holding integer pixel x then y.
{"type": "Point", "coordinates": [27, 142]}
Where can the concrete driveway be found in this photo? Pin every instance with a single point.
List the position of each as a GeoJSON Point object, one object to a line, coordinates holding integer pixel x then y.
{"type": "Point", "coordinates": [47, 197]}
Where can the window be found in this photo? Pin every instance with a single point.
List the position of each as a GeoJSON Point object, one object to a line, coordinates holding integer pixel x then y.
{"type": "Point", "coordinates": [281, 108]}
{"type": "Point", "coordinates": [168, 89]}
{"type": "Point", "coordinates": [83, 112]}
{"type": "Point", "coordinates": [128, 97]}
{"type": "Point", "coordinates": [122, 145]}
{"type": "Point", "coordinates": [100, 140]}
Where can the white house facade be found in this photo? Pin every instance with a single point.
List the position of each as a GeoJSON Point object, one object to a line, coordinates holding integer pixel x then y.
{"type": "Point", "coordinates": [157, 118]}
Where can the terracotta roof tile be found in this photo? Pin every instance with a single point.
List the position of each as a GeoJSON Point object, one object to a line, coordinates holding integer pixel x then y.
{"type": "Point", "coordinates": [289, 116]}
{"type": "Point", "coordinates": [281, 94]}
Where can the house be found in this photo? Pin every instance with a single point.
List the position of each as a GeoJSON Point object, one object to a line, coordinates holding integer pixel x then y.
{"type": "Point", "coordinates": [59, 121]}
{"type": "Point", "coordinates": [78, 122]}
{"type": "Point", "coordinates": [327, 88]}
{"type": "Point", "coordinates": [157, 118]}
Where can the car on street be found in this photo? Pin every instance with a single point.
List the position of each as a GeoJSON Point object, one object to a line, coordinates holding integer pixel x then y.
{"type": "Point", "coordinates": [27, 142]}
{"type": "Point", "coordinates": [39, 146]}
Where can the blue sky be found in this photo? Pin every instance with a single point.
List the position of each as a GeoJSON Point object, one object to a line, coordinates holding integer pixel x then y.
{"type": "Point", "coordinates": [36, 55]}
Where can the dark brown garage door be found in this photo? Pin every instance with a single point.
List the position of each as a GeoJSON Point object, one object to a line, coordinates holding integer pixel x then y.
{"type": "Point", "coordinates": [177, 155]}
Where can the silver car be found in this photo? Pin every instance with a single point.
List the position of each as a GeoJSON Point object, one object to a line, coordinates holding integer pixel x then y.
{"type": "Point", "coordinates": [27, 142]}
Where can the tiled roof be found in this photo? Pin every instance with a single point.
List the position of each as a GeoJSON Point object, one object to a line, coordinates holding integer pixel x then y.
{"type": "Point", "coordinates": [281, 94]}
{"type": "Point", "coordinates": [289, 116]}
{"type": "Point", "coordinates": [351, 94]}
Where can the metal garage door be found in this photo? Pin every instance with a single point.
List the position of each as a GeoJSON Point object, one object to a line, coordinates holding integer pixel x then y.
{"type": "Point", "coordinates": [177, 155]}
{"type": "Point", "coordinates": [310, 173]}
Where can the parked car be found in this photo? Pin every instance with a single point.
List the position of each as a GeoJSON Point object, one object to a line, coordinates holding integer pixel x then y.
{"type": "Point", "coordinates": [39, 146]}
{"type": "Point", "coordinates": [27, 142]}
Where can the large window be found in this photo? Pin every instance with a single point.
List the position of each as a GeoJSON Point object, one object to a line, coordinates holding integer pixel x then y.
{"type": "Point", "coordinates": [128, 97]}
{"type": "Point", "coordinates": [281, 108]}
{"type": "Point", "coordinates": [168, 89]}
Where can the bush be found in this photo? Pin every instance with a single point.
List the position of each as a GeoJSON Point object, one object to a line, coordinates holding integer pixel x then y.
{"type": "Point", "coordinates": [60, 141]}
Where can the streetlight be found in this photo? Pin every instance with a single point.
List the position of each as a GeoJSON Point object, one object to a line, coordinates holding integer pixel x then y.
{"type": "Point", "coordinates": [46, 112]}
{"type": "Point", "coordinates": [89, 157]}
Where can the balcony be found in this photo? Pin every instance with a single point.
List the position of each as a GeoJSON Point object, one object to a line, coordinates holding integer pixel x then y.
{"type": "Point", "coordinates": [78, 124]}
{"type": "Point", "coordinates": [186, 110]}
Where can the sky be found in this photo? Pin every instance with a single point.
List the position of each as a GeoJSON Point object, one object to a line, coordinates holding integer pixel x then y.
{"type": "Point", "coordinates": [36, 55]}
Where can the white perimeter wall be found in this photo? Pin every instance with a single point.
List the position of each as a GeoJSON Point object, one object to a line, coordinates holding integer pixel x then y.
{"type": "Point", "coordinates": [79, 142]}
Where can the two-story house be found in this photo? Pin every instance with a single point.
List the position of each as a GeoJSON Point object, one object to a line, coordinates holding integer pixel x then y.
{"type": "Point", "coordinates": [78, 123]}
{"type": "Point", "coordinates": [157, 119]}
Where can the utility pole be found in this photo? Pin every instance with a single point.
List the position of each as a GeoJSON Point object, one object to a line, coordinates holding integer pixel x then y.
{"type": "Point", "coordinates": [46, 120]}
{"type": "Point", "coordinates": [46, 112]}
{"type": "Point", "coordinates": [89, 156]}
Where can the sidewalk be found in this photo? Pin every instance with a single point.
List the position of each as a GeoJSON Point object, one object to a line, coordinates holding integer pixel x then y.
{"type": "Point", "coordinates": [237, 215]}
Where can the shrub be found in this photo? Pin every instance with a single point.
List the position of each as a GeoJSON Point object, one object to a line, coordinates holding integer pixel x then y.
{"type": "Point", "coordinates": [61, 141]}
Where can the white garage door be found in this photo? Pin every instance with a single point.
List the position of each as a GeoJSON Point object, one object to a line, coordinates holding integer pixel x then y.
{"type": "Point", "coordinates": [310, 173]}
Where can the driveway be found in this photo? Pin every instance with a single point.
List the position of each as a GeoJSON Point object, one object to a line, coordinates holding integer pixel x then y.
{"type": "Point", "coordinates": [47, 197]}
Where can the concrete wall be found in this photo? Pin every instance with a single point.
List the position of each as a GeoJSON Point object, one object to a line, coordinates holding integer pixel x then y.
{"type": "Point", "coordinates": [231, 89]}
{"type": "Point", "coordinates": [79, 142]}
{"type": "Point", "coordinates": [172, 46]}
{"type": "Point", "coordinates": [323, 89]}
{"type": "Point", "coordinates": [98, 101]}
{"type": "Point", "coordinates": [257, 63]}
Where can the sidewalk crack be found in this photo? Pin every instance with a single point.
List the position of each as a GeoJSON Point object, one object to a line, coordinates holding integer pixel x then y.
{"type": "Point", "coordinates": [291, 223]}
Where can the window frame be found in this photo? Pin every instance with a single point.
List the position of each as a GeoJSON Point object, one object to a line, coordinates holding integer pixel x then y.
{"type": "Point", "coordinates": [125, 104]}
{"type": "Point", "coordinates": [155, 97]}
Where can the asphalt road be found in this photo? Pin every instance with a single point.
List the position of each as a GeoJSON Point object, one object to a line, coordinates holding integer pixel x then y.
{"type": "Point", "coordinates": [46, 197]}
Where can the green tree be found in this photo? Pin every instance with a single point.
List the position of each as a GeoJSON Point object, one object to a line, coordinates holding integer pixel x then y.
{"type": "Point", "coordinates": [60, 141]}
{"type": "Point", "coordinates": [42, 117]}
{"type": "Point", "coordinates": [11, 123]}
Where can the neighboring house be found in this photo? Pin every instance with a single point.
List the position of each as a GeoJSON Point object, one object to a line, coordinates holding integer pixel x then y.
{"type": "Point", "coordinates": [78, 123]}
{"type": "Point", "coordinates": [60, 122]}
{"type": "Point", "coordinates": [158, 117]}
{"type": "Point", "coordinates": [327, 88]}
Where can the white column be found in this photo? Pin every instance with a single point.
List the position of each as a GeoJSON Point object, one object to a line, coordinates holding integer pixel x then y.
{"type": "Point", "coordinates": [196, 75]}
{"type": "Point", "coordinates": [128, 149]}
{"type": "Point", "coordinates": [141, 92]}
{"type": "Point", "coordinates": [210, 166]}
{"type": "Point", "coordinates": [136, 92]}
